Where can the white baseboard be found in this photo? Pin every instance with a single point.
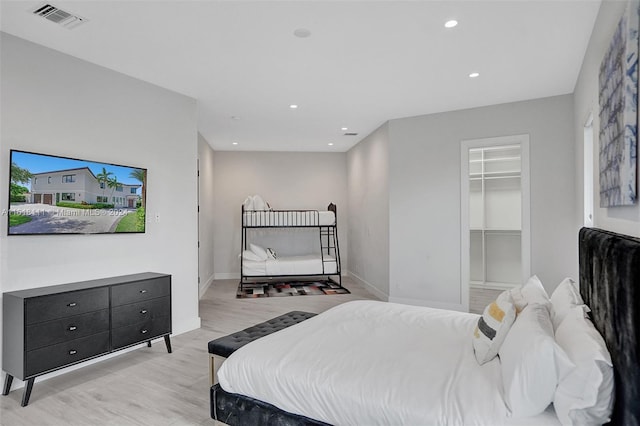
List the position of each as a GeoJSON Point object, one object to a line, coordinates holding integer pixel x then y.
{"type": "Point", "coordinates": [430, 304]}
{"type": "Point", "coordinates": [202, 290]}
{"type": "Point", "coordinates": [226, 276]}
{"type": "Point", "coordinates": [370, 287]}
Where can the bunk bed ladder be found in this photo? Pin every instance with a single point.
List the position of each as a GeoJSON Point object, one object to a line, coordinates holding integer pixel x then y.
{"type": "Point", "coordinates": [331, 234]}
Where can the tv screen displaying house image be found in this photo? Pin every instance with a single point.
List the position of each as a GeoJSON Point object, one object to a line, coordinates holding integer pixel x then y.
{"type": "Point", "coordinates": [49, 194]}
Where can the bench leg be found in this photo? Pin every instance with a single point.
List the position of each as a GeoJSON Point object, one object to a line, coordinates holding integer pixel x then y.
{"type": "Point", "coordinates": [215, 361]}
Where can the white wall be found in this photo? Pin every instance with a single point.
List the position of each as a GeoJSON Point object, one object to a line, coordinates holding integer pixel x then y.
{"type": "Point", "coordinates": [625, 219]}
{"type": "Point", "coordinates": [424, 195]}
{"type": "Point", "coordinates": [56, 104]}
{"type": "Point", "coordinates": [286, 180]}
{"type": "Point", "coordinates": [206, 214]}
{"type": "Point", "coordinates": [368, 185]}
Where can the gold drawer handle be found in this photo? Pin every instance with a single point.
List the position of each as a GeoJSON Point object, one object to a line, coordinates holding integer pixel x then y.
{"type": "Point", "coordinates": [73, 352]}
{"type": "Point", "coordinates": [72, 304]}
{"type": "Point", "coordinates": [144, 311]}
{"type": "Point", "coordinates": [72, 328]}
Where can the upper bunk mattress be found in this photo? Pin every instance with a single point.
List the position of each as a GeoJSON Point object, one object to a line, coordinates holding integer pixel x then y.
{"type": "Point", "coordinates": [262, 218]}
{"type": "Point", "coordinates": [369, 363]}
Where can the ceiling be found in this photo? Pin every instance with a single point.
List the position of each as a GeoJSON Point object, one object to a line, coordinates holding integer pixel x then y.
{"type": "Point", "coordinates": [364, 62]}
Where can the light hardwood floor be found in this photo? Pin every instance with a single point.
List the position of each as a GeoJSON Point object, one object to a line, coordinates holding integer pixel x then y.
{"type": "Point", "coordinates": [148, 386]}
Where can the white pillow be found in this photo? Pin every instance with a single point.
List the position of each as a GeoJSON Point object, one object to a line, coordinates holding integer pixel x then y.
{"type": "Point", "coordinates": [532, 362]}
{"type": "Point", "coordinates": [585, 395]}
{"type": "Point", "coordinates": [258, 203]}
{"type": "Point", "coordinates": [492, 328]}
{"type": "Point", "coordinates": [259, 251]}
{"type": "Point", "coordinates": [271, 253]}
{"type": "Point", "coordinates": [518, 299]}
{"type": "Point", "coordinates": [248, 203]}
{"type": "Point", "coordinates": [249, 255]}
{"type": "Point", "coordinates": [534, 292]}
{"type": "Point", "coordinates": [530, 292]}
{"type": "Point", "coordinates": [563, 298]}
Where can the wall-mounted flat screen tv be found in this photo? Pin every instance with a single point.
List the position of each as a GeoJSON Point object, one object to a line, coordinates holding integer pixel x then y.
{"type": "Point", "coordinates": [50, 194]}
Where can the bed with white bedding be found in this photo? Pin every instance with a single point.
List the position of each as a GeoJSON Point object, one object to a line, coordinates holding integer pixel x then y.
{"type": "Point", "coordinates": [373, 363]}
{"type": "Point", "coordinates": [410, 366]}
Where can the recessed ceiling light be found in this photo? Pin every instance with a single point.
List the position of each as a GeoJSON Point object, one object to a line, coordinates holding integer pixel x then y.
{"type": "Point", "coordinates": [450, 24]}
{"type": "Point", "coordinates": [344, 128]}
{"type": "Point", "coordinates": [293, 106]}
{"type": "Point", "coordinates": [474, 74]}
{"type": "Point", "coordinates": [330, 144]}
{"type": "Point", "coordinates": [234, 143]}
{"type": "Point", "coordinates": [302, 33]}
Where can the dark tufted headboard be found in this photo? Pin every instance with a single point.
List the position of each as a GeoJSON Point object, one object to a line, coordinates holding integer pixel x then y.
{"type": "Point", "coordinates": [610, 286]}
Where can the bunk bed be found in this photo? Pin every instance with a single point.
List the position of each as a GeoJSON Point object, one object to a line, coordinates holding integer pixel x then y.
{"type": "Point", "coordinates": [325, 264]}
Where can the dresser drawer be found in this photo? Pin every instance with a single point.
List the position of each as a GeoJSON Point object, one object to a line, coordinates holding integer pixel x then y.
{"type": "Point", "coordinates": [51, 357]}
{"type": "Point", "coordinates": [140, 332]}
{"type": "Point", "coordinates": [140, 290]}
{"type": "Point", "coordinates": [46, 308]}
{"type": "Point", "coordinates": [140, 312]}
{"type": "Point", "coordinates": [69, 328]}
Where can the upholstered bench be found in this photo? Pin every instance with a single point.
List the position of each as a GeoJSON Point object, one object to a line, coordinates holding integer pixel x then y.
{"type": "Point", "coordinates": [224, 346]}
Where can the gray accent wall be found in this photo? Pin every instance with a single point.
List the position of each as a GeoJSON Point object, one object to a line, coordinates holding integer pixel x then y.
{"type": "Point", "coordinates": [368, 185]}
{"type": "Point", "coordinates": [286, 180]}
{"type": "Point", "coordinates": [206, 213]}
{"type": "Point", "coordinates": [424, 158]}
{"type": "Point", "coordinates": [624, 219]}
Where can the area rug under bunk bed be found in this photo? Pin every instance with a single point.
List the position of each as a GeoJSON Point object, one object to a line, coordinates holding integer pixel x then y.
{"type": "Point", "coordinates": [293, 288]}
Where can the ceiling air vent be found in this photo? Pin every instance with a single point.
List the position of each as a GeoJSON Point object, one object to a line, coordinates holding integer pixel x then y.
{"type": "Point", "coordinates": [59, 16]}
{"type": "Point", "coordinates": [351, 134]}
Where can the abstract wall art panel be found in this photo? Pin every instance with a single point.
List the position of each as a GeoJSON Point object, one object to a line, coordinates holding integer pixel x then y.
{"type": "Point", "coordinates": [618, 82]}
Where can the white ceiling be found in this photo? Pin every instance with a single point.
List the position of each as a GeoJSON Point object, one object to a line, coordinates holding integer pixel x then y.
{"type": "Point", "coordinates": [364, 63]}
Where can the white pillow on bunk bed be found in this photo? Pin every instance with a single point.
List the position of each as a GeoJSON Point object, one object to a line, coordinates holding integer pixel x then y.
{"type": "Point", "coordinates": [248, 203]}
{"type": "Point", "coordinates": [249, 255]}
{"type": "Point", "coordinates": [259, 251]}
{"type": "Point", "coordinates": [259, 203]}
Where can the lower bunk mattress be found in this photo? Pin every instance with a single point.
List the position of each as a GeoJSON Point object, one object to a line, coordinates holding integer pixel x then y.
{"type": "Point", "coordinates": [291, 265]}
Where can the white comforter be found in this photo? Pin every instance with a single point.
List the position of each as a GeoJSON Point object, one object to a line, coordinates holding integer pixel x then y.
{"type": "Point", "coordinates": [369, 363]}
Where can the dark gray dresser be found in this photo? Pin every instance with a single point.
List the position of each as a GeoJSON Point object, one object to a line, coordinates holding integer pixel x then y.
{"type": "Point", "coordinates": [48, 328]}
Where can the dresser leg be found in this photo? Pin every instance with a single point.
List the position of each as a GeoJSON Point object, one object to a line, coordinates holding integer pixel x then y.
{"type": "Point", "coordinates": [148, 343]}
{"type": "Point", "coordinates": [8, 379]}
{"type": "Point", "coordinates": [27, 391]}
{"type": "Point", "coordinates": [168, 343]}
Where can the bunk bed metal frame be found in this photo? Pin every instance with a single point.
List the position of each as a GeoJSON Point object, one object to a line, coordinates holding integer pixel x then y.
{"type": "Point", "coordinates": [290, 219]}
